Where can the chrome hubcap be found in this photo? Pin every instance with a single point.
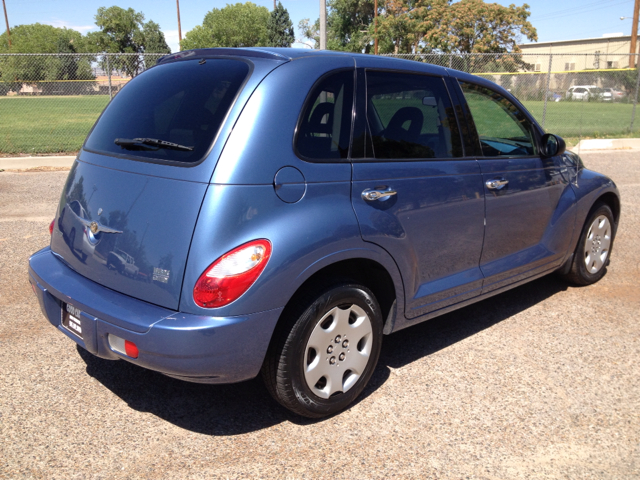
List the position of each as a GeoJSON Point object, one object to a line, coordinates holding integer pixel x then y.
{"type": "Point", "coordinates": [596, 247]}
{"type": "Point", "coordinates": [338, 351]}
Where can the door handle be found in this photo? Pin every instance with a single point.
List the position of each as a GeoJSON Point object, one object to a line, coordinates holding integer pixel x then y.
{"type": "Point", "coordinates": [496, 183]}
{"type": "Point", "coordinates": [371, 194]}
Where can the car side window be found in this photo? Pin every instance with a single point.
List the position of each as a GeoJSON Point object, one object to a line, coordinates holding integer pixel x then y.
{"type": "Point", "coordinates": [324, 128]}
{"type": "Point", "coordinates": [502, 127]}
{"type": "Point", "coordinates": [411, 116]}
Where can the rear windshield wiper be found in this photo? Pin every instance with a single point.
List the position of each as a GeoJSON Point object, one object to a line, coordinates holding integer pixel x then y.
{"type": "Point", "coordinates": [140, 143]}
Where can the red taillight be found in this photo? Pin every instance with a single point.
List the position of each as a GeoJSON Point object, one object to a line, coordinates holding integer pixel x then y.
{"type": "Point", "coordinates": [130, 349]}
{"type": "Point", "coordinates": [232, 274]}
{"type": "Point", "coordinates": [53, 222]}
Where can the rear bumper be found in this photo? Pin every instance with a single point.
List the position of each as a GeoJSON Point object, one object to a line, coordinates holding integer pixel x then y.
{"type": "Point", "coordinates": [191, 347]}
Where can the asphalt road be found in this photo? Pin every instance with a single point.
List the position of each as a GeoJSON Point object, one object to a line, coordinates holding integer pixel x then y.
{"type": "Point", "coordinates": [539, 382]}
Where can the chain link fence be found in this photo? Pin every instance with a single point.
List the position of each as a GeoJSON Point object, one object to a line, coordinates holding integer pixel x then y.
{"type": "Point", "coordinates": [49, 102]}
{"type": "Point", "coordinates": [571, 95]}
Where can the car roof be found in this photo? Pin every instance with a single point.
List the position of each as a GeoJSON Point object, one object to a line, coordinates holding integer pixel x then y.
{"type": "Point", "coordinates": [289, 54]}
{"type": "Point", "coordinates": [368, 61]}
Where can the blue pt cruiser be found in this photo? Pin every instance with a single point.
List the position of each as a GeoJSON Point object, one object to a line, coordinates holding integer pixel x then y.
{"type": "Point", "coordinates": [236, 212]}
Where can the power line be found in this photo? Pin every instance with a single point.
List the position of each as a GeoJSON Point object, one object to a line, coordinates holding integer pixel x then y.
{"type": "Point", "coordinates": [572, 11]}
{"type": "Point", "coordinates": [563, 10]}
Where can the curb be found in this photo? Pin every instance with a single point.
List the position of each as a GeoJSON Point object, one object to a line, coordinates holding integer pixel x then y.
{"type": "Point", "coordinates": [608, 144]}
{"type": "Point", "coordinates": [14, 163]}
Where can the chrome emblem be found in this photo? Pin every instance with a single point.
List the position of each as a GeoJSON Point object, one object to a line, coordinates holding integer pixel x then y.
{"type": "Point", "coordinates": [99, 211]}
{"type": "Point", "coordinates": [95, 227]}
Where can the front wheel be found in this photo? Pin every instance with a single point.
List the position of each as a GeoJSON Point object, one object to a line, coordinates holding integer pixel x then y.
{"type": "Point", "coordinates": [594, 247]}
{"type": "Point", "coordinates": [322, 359]}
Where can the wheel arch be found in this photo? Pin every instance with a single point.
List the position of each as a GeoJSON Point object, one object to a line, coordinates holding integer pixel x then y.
{"type": "Point", "coordinates": [383, 280]}
{"type": "Point", "coordinates": [613, 202]}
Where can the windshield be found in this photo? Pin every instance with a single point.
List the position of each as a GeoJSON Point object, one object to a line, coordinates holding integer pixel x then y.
{"type": "Point", "coordinates": [170, 112]}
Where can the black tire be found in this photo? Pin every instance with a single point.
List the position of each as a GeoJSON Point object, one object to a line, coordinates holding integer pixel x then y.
{"type": "Point", "coordinates": [590, 245]}
{"type": "Point", "coordinates": [291, 354]}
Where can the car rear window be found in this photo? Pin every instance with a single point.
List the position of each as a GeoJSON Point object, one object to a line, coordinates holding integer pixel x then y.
{"type": "Point", "coordinates": [170, 112]}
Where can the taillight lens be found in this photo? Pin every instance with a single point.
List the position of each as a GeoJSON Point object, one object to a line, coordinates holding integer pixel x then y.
{"type": "Point", "coordinates": [232, 274]}
{"type": "Point", "coordinates": [53, 222]}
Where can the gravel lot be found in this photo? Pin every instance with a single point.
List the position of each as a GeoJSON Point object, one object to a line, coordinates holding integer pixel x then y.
{"type": "Point", "coordinates": [542, 381]}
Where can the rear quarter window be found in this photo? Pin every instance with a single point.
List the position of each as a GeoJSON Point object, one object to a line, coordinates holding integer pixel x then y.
{"type": "Point", "coordinates": [183, 103]}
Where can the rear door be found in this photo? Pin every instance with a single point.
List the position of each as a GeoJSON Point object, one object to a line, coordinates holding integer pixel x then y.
{"type": "Point", "coordinates": [414, 192]}
{"type": "Point", "coordinates": [524, 233]}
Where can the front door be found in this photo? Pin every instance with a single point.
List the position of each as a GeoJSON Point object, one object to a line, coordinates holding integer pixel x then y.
{"type": "Point", "coordinates": [526, 195]}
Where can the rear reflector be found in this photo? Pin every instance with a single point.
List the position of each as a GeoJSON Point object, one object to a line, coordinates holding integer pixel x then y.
{"type": "Point", "coordinates": [226, 279]}
{"type": "Point", "coordinates": [125, 347]}
{"type": "Point", "coordinates": [130, 349]}
{"type": "Point", "coordinates": [51, 226]}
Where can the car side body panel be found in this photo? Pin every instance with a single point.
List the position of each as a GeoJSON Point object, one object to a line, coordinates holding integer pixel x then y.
{"type": "Point", "coordinates": [300, 233]}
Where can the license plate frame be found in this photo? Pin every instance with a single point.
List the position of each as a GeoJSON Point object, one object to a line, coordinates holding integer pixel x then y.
{"type": "Point", "coordinates": [71, 319]}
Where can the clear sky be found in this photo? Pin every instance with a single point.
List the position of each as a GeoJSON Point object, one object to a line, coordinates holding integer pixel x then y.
{"type": "Point", "coordinates": [554, 19]}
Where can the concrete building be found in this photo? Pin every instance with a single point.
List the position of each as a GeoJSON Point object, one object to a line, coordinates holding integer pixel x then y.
{"type": "Point", "coordinates": [610, 51]}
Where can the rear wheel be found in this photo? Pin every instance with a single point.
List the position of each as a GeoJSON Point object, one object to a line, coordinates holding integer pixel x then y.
{"type": "Point", "coordinates": [324, 356]}
{"type": "Point", "coordinates": [594, 248]}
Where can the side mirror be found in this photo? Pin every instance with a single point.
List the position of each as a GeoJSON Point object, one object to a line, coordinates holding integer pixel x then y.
{"type": "Point", "coordinates": [552, 145]}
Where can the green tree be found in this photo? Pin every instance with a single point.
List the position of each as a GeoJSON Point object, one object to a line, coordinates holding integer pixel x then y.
{"type": "Point", "coordinates": [310, 32]}
{"type": "Point", "coordinates": [153, 41]}
{"type": "Point", "coordinates": [37, 38]}
{"type": "Point", "coordinates": [401, 24]}
{"type": "Point", "coordinates": [238, 25]}
{"type": "Point", "coordinates": [473, 26]}
{"type": "Point", "coordinates": [425, 26]}
{"type": "Point", "coordinates": [124, 31]}
{"type": "Point", "coordinates": [280, 28]}
{"type": "Point", "coordinates": [347, 26]}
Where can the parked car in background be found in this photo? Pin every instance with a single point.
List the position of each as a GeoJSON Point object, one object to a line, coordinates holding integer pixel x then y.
{"type": "Point", "coordinates": [122, 262]}
{"type": "Point", "coordinates": [553, 96]}
{"type": "Point", "coordinates": [295, 206]}
{"type": "Point", "coordinates": [616, 95]}
{"type": "Point", "coordinates": [588, 93]}
{"type": "Point", "coordinates": [74, 223]}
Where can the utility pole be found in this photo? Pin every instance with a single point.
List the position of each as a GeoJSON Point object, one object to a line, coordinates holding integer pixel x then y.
{"type": "Point", "coordinates": [323, 24]}
{"type": "Point", "coordinates": [179, 27]}
{"type": "Point", "coordinates": [634, 35]}
{"type": "Point", "coordinates": [6, 19]}
{"type": "Point", "coordinates": [375, 27]}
